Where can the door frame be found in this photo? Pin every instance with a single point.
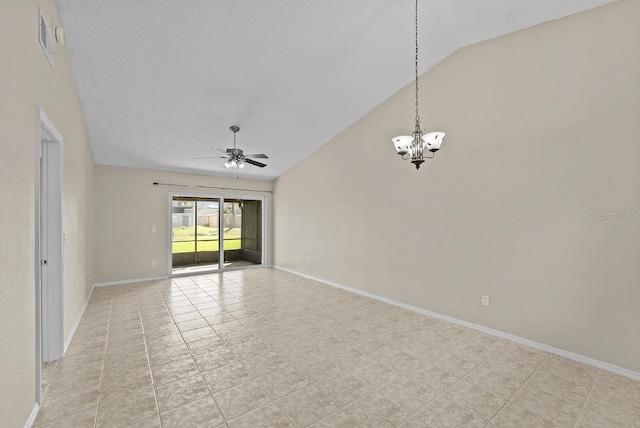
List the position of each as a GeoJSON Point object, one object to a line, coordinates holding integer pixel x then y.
{"type": "Point", "coordinates": [221, 197]}
{"type": "Point", "coordinates": [49, 287]}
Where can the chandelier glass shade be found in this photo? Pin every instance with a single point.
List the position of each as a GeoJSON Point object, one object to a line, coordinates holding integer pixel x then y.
{"type": "Point", "coordinates": [418, 146]}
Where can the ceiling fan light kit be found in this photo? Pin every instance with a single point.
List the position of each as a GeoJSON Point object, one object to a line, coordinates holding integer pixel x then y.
{"type": "Point", "coordinates": [236, 158]}
{"type": "Point", "coordinates": [418, 146]}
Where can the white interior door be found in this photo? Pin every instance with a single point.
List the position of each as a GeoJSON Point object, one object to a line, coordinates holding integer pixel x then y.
{"type": "Point", "coordinates": [49, 254]}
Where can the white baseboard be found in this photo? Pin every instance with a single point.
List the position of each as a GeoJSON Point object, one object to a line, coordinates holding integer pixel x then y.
{"type": "Point", "coordinates": [129, 281]}
{"type": "Point", "coordinates": [75, 325]}
{"type": "Point", "coordinates": [541, 346]}
{"type": "Point", "coordinates": [32, 416]}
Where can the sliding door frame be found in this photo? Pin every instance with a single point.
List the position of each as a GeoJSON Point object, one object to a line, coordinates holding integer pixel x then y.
{"type": "Point", "coordinates": [221, 199]}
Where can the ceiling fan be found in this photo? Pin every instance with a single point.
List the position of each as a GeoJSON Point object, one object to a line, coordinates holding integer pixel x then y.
{"type": "Point", "coordinates": [235, 157]}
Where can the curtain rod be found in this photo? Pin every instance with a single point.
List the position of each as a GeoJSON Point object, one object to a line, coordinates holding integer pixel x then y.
{"type": "Point", "coordinates": [155, 183]}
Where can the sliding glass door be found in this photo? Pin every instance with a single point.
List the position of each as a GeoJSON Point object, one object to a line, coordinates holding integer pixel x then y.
{"type": "Point", "coordinates": [242, 232]}
{"type": "Point", "coordinates": [199, 224]}
{"type": "Point", "coordinates": [195, 234]}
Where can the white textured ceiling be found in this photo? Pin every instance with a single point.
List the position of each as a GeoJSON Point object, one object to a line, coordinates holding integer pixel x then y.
{"type": "Point", "coordinates": [161, 81]}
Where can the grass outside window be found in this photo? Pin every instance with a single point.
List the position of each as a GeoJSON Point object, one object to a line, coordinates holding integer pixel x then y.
{"type": "Point", "coordinates": [208, 239]}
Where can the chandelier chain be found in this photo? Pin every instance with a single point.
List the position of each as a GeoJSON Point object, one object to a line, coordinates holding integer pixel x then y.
{"type": "Point", "coordinates": [416, 69]}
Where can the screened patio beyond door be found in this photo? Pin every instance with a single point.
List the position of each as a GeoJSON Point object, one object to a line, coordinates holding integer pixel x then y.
{"type": "Point", "coordinates": [198, 225]}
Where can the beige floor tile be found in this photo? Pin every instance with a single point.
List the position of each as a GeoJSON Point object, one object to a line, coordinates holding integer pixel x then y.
{"type": "Point", "coordinates": [342, 388]}
{"type": "Point", "coordinates": [250, 349]}
{"type": "Point", "coordinates": [247, 330]}
{"type": "Point", "coordinates": [442, 413]}
{"type": "Point", "coordinates": [192, 325]}
{"type": "Point", "coordinates": [179, 393]}
{"type": "Point", "coordinates": [152, 422]}
{"type": "Point", "coordinates": [200, 413]}
{"type": "Point", "coordinates": [173, 371]}
{"type": "Point", "coordinates": [590, 419]}
{"type": "Point", "coordinates": [87, 346]}
{"type": "Point", "coordinates": [208, 344]}
{"type": "Point", "coordinates": [128, 410]}
{"type": "Point", "coordinates": [611, 386]}
{"type": "Point", "coordinates": [456, 362]}
{"type": "Point", "coordinates": [317, 368]}
{"type": "Point", "coordinates": [580, 375]}
{"type": "Point", "coordinates": [478, 401]}
{"type": "Point", "coordinates": [294, 352]}
{"type": "Point", "coordinates": [84, 419]}
{"type": "Point", "coordinates": [165, 330]}
{"type": "Point", "coordinates": [500, 384]}
{"type": "Point", "coordinates": [267, 416]}
{"type": "Point", "coordinates": [78, 380]}
{"type": "Point", "coordinates": [560, 410]}
{"type": "Point", "coordinates": [182, 306]}
{"type": "Point", "coordinates": [226, 377]}
{"type": "Point", "coordinates": [215, 359]}
{"type": "Point", "coordinates": [432, 377]}
{"type": "Point", "coordinates": [198, 334]}
{"type": "Point", "coordinates": [373, 373]}
{"type": "Point", "coordinates": [168, 355]}
{"type": "Point", "coordinates": [337, 419]}
{"type": "Point", "coordinates": [189, 316]}
{"type": "Point", "coordinates": [615, 409]}
{"type": "Point", "coordinates": [282, 382]}
{"type": "Point", "coordinates": [123, 388]}
{"type": "Point", "coordinates": [48, 368]}
{"type": "Point", "coordinates": [159, 343]}
{"type": "Point", "coordinates": [81, 362]}
{"type": "Point", "coordinates": [568, 389]}
{"type": "Point", "coordinates": [209, 312]}
{"type": "Point", "coordinates": [306, 406]}
{"type": "Point", "coordinates": [374, 409]}
{"type": "Point", "coordinates": [129, 350]}
{"type": "Point", "coordinates": [238, 337]}
{"type": "Point", "coordinates": [125, 363]}
{"type": "Point", "coordinates": [410, 395]}
{"type": "Point", "coordinates": [220, 318]}
{"type": "Point", "coordinates": [514, 416]}
{"type": "Point", "coordinates": [413, 422]}
{"type": "Point", "coordinates": [66, 404]}
{"type": "Point", "coordinates": [126, 370]}
{"type": "Point", "coordinates": [44, 385]}
{"type": "Point", "coordinates": [241, 399]}
{"type": "Point", "coordinates": [265, 363]}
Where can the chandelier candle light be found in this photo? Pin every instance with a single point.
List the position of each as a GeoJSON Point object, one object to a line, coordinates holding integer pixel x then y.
{"type": "Point", "coordinates": [413, 147]}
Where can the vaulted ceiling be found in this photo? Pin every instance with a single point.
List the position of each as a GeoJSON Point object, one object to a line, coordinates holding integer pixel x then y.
{"type": "Point", "coordinates": [161, 81]}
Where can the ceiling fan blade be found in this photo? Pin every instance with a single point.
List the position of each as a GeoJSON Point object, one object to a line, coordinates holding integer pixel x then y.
{"type": "Point", "coordinates": [221, 150]}
{"type": "Point", "coordinates": [258, 156]}
{"type": "Point", "coordinates": [255, 163]}
{"type": "Point", "coordinates": [211, 157]}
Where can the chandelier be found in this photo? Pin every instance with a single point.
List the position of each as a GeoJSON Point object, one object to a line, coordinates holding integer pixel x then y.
{"type": "Point", "coordinates": [418, 146]}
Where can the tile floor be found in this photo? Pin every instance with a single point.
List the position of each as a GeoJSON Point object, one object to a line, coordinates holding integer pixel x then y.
{"type": "Point", "coordinates": [263, 347]}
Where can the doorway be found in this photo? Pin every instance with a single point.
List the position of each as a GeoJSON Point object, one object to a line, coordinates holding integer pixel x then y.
{"type": "Point", "coordinates": [213, 233]}
{"type": "Point", "coordinates": [49, 243]}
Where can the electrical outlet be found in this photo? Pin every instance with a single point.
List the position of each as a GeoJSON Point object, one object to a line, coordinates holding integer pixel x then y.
{"type": "Point", "coordinates": [485, 300]}
{"type": "Point", "coordinates": [153, 263]}
{"type": "Point", "coordinates": [153, 229]}
{"type": "Point", "coordinates": [308, 261]}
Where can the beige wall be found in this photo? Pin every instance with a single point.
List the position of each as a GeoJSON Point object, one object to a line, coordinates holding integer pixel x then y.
{"type": "Point", "coordinates": [27, 81]}
{"type": "Point", "coordinates": [128, 204]}
{"type": "Point", "coordinates": [542, 127]}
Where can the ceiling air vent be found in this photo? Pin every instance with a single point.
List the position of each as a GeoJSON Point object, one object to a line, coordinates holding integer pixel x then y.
{"type": "Point", "coordinates": [44, 35]}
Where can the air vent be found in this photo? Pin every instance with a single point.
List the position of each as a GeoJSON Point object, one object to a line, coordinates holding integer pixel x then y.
{"type": "Point", "coordinates": [44, 35]}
